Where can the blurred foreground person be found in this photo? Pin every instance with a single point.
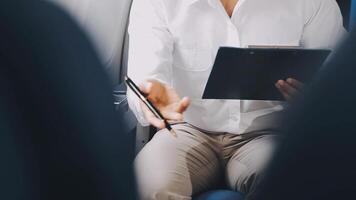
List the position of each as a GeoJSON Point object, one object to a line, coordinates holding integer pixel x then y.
{"type": "Point", "coordinates": [60, 136]}
{"type": "Point", "coordinates": [317, 160]}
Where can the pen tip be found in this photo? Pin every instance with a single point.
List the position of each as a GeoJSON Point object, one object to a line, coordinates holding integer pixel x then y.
{"type": "Point", "coordinates": [173, 132]}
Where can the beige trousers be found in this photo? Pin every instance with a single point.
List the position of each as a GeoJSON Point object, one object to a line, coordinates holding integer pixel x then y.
{"type": "Point", "coordinates": [170, 168]}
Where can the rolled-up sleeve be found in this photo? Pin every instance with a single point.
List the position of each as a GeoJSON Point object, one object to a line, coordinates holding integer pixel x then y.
{"type": "Point", "coordinates": [324, 25]}
{"type": "Point", "coordinates": [150, 48]}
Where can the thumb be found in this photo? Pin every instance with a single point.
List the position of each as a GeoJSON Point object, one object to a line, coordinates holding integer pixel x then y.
{"type": "Point", "coordinates": [183, 105]}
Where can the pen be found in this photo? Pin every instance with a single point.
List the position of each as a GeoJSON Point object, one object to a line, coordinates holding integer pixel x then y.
{"type": "Point", "coordinates": [150, 106]}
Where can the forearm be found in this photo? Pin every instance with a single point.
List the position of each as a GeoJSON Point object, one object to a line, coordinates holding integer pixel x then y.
{"type": "Point", "coordinates": [150, 52]}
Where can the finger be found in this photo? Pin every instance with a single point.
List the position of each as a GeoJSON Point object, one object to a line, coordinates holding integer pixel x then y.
{"type": "Point", "coordinates": [156, 122]}
{"type": "Point", "coordinates": [151, 91]}
{"type": "Point", "coordinates": [151, 118]}
{"type": "Point", "coordinates": [279, 86]}
{"type": "Point", "coordinates": [183, 105]}
{"type": "Point", "coordinates": [285, 95]}
{"type": "Point", "coordinates": [154, 90]}
{"type": "Point", "coordinates": [170, 115]}
{"type": "Point", "coordinates": [295, 83]}
{"type": "Point", "coordinates": [287, 88]}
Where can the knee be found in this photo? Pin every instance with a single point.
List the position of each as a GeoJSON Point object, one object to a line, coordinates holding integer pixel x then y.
{"type": "Point", "coordinates": [248, 165]}
{"type": "Point", "coordinates": [242, 178]}
{"type": "Point", "coordinates": [243, 174]}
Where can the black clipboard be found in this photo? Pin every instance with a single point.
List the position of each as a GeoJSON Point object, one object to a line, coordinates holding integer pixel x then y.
{"type": "Point", "coordinates": [251, 73]}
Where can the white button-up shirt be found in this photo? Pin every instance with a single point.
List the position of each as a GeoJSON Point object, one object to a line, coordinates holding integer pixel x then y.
{"type": "Point", "coordinates": [176, 41]}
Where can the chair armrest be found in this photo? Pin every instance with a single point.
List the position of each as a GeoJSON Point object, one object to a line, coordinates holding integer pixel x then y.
{"type": "Point", "coordinates": [142, 134]}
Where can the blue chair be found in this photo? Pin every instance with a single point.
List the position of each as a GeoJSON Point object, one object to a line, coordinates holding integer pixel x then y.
{"type": "Point", "coordinates": [220, 195]}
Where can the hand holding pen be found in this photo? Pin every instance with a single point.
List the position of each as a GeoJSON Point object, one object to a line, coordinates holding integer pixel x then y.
{"type": "Point", "coordinates": [160, 103]}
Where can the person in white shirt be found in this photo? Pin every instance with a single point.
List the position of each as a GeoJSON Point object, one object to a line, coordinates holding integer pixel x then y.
{"type": "Point", "coordinates": [173, 44]}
